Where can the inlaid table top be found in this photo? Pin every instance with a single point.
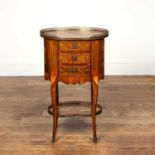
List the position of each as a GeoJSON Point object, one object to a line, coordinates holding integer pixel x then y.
{"type": "Point", "coordinates": [74, 33]}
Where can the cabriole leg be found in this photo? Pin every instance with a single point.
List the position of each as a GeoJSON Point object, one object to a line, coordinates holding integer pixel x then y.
{"type": "Point", "coordinates": [57, 93]}
{"type": "Point", "coordinates": [54, 103]}
{"type": "Point", "coordinates": [94, 96]}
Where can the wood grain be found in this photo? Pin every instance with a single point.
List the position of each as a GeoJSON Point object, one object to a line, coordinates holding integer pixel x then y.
{"type": "Point", "coordinates": [126, 126]}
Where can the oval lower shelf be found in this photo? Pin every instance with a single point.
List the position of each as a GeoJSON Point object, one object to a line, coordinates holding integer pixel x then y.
{"type": "Point", "coordinates": [74, 108]}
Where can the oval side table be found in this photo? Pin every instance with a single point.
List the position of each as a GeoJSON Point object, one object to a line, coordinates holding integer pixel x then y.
{"type": "Point", "coordinates": [74, 55]}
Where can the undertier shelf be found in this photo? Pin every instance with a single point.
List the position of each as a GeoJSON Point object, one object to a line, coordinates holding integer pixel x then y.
{"type": "Point", "coordinates": [74, 108]}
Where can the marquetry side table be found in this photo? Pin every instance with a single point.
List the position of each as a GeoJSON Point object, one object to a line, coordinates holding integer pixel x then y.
{"type": "Point", "coordinates": [74, 55]}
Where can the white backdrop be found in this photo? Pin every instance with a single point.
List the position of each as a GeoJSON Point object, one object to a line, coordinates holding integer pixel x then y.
{"type": "Point", "coordinates": [130, 48]}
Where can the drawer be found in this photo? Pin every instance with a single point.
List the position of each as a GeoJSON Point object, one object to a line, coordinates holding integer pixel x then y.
{"type": "Point", "coordinates": [71, 46]}
{"type": "Point", "coordinates": [75, 58]}
{"type": "Point", "coordinates": [74, 70]}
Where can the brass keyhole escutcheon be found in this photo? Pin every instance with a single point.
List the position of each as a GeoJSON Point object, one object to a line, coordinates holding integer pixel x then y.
{"type": "Point", "coordinates": [74, 45]}
{"type": "Point", "coordinates": [74, 58]}
{"type": "Point", "coordinates": [74, 70]}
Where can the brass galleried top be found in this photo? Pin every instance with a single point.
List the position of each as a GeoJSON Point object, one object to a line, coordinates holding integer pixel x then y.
{"type": "Point", "coordinates": [74, 33]}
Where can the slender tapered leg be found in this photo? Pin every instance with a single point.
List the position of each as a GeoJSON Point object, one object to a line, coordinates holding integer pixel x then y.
{"type": "Point", "coordinates": [52, 46]}
{"type": "Point", "coordinates": [95, 49]}
{"type": "Point", "coordinates": [57, 93]}
{"type": "Point", "coordinates": [94, 94]}
{"type": "Point", "coordinates": [54, 103]}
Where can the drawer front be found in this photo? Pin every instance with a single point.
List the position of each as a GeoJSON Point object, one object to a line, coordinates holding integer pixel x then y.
{"type": "Point", "coordinates": [76, 58]}
{"type": "Point", "coordinates": [71, 46]}
{"type": "Point", "coordinates": [74, 70]}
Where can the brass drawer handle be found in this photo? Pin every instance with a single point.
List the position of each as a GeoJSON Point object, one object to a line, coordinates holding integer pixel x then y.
{"type": "Point", "coordinates": [74, 57]}
{"type": "Point", "coordinates": [74, 45]}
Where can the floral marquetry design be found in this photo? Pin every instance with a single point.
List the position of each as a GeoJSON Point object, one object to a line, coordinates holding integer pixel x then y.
{"type": "Point", "coordinates": [76, 58]}
{"type": "Point", "coordinates": [74, 70]}
{"type": "Point", "coordinates": [72, 46]}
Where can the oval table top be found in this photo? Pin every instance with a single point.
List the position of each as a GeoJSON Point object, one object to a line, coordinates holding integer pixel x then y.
{"type": "Point", "coordinates": [74, 33]}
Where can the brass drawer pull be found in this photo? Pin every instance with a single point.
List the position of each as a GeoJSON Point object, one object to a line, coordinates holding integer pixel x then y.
{"type": "Point", "coordinates": [74, 45]}
{"type": "Point", "coordinates": [74, 57]}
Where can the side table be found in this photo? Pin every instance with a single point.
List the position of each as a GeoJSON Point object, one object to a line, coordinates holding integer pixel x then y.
{"type": "Point", "coordinates": [74, 55]}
